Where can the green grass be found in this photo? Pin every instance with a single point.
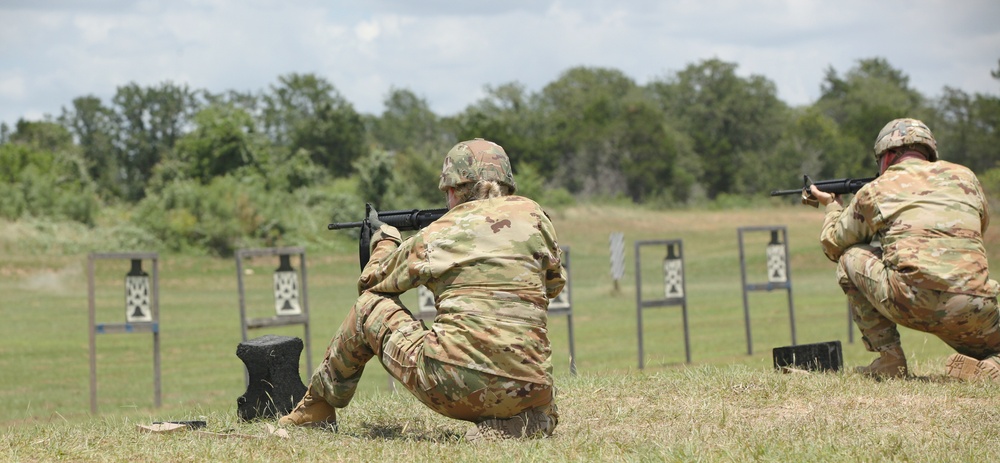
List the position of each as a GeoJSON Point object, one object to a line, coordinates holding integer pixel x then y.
{"type": "Point", "coordinates": [701, 413]}
{"type": "Point", "coordinates": [725, 406]}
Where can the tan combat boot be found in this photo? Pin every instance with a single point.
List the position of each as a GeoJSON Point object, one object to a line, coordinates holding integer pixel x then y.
{"type": "Point", "coordinates": [969, 369]}
{"type": "Point", "coordinates": [535, 422]}
{"type": "Point", "coordinates": [311, 411]}
{"type": "Point", "coordinates": [890, 364]}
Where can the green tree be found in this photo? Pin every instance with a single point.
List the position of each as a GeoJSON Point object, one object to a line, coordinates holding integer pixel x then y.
{"type": "Point", "coordinates": [407, 122]}
{"type": "Point", "coordinates": [606, 137]}
{"type": "Point", "coordinates": [991, 186]}
{"type": "Point", "coordinates": [249, 102]}
{"type": "Point", "coordinates": [867, 97]}
{"type": "Point", "coordinates": [151, 121]}
{"type": "Point", "coordinates": [509, 116]}
{"type": "Point", "coordinates": [814, 145]}
{"type": "Point", "coordinates": [967, 128]}
{"type": "Point", "coordinates": [225, 214]}
{"type": "Point", "coordinates": [284, 171]}
{"type": "Point", "coordinates": [222, 142]}
{"type": "Point", "coordinates": [42, 174]}
{"type": "Point", "coordinates": [414, 140]}
{"type": "Point", "coordinates": [416, 174]}
{"type": "Point", "coordinates": [375, 178]}
{"type": "Point", "coordinates": [648, 155]}
{"type": "Point", "coordinates": [95, 128]}
{"type": "Point", "coordinates": [45, 136]}
{"type": "Point", "coordinates": [952, 125]}
{"type": "Point", "coordinates": [732, 123]}
{"type": "Point", "coordinates": [305, 112]}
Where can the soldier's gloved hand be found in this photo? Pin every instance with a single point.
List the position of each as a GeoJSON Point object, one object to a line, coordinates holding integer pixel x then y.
{"type": "Point", "coordinates": [373, 219]}
{"type": "Point", "coordinates": [808, 199]}
{"type": "Point", "coordinates": [821, 197]}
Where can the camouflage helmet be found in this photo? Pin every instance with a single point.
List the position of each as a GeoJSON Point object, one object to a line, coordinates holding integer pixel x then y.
{"type": "Point", "coordinates": [902, 132]}
{"type": "Point", "coordinates": [474, 160]}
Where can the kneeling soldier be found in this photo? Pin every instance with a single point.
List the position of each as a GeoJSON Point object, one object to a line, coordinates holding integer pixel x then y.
{"type": "Point", "coordinates": [492, 262]}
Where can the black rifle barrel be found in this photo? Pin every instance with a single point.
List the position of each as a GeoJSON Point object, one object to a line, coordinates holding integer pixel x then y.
{"type": "Point", "coordinates": [838, 186]}
{"type": "Point", "coordinates": [411, 219]}
{"type": "Point", "coordinates": [343, 225]}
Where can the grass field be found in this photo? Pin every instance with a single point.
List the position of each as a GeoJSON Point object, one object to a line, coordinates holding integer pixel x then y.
{"type": "Point", "coordinates": [724, 406]}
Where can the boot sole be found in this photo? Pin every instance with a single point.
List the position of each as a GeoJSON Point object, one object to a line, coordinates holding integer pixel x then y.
{"type": "Point", "coordinates": [969, 369]}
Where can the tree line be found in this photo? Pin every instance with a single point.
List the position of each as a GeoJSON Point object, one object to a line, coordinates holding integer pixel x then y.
{"type": "Point", "coordinates": [195, 169]}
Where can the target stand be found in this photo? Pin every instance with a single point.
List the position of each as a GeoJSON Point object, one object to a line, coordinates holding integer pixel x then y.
{"type": "Point", "coordinates": [291, 302]}
{"type": "Point", "coordinates": [778, 274]}
{"type": "Point", "coordinates": [142, 312]}
{"type": "Point", "coordinates": [673, 290]}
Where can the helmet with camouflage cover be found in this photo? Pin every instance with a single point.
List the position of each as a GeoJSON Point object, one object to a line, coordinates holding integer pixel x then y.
{"type": "Point", "coordinates": [474, 160]}
{"type": "Point", "coordinates": [902, 132]}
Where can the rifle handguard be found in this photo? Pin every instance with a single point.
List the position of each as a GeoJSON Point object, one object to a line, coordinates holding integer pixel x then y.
{"type": "Point", "coordinates": [840, 186]}
{"type": "Point", "coordinates": [403, 220]}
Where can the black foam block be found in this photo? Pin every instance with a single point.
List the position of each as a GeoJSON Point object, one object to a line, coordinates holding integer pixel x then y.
{"type": "Point", "coordinates": [819, 356]}
{"type": "Point", "coordinates": [273, 367]}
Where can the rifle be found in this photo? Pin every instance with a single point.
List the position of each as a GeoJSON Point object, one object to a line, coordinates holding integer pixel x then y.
{"type": "Point", "coordinates": [403, 220]}
{"type": "Point", "coordinates": [839, 186]}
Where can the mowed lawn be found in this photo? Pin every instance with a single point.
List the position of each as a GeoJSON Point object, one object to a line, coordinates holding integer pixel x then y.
{"type": "Point", "coordinates": [725, 405]}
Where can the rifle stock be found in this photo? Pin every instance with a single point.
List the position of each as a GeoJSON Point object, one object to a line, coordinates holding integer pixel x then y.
{"type": "Point", "coordinates": [403, 220]}
{"type": "Point", "coordinates": [838, 186]}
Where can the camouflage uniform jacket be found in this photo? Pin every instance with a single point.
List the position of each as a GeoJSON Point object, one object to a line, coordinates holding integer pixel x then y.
{"type": "Point", "coordinates": [929, 217]}
{"type": "Point", "coordinates": [492, 265]}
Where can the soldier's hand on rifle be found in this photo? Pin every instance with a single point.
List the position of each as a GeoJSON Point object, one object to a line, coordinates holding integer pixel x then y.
{"type": "Point", "coordinates": [373, 219]}
{"type": "Point", "coordinates": [814, 197]}
{"type": "Point", "coordinates": [808, 199]}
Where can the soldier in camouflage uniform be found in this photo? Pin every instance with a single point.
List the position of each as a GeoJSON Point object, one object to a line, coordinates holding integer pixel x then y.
{"type": "Point", "coordinates": [928, 270]}
{"type": "Point", "coordinates": [492, 262]}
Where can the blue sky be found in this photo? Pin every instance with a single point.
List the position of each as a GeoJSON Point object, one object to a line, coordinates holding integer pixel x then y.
{"type": "Point", "coordinates": [447, 51]}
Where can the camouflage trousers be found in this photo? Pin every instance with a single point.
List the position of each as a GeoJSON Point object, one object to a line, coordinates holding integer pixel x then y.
{"type": "Point", "coordinates": [380, 326]}
{"type": "Point", "coordinates": [880, 300]}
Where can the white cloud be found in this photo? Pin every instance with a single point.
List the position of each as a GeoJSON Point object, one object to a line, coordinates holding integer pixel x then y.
{"type": "Point", "coordinates": [94, 29]}
{"type": "Point", "coordinates": [367, 31]}
{"type": "Point", "coordinates": [12, 87]}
